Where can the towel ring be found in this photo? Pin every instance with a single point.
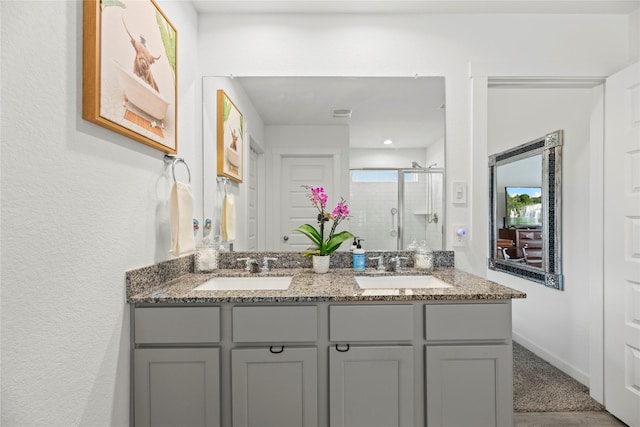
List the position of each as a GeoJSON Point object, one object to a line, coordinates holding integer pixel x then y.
{"type": "Point", "coordinates": [224, 180]}
{"type": "Point", "coordinates": [174, 160]}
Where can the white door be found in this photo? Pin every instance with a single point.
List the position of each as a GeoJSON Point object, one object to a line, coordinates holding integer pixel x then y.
{"type": "Point", "coordinates": [622, 245]}
{"type": "Point", "coordinates": [295, 207]}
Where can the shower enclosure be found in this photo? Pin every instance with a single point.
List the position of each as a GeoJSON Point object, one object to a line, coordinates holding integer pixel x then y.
{"type": "Point", "coordinates": [392, 208]}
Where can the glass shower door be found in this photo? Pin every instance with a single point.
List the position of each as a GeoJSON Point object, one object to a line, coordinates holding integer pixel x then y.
{"type": "Point", "coordinates": [391, 208]}
{"type": "Point", "coordinates": [421, 204]}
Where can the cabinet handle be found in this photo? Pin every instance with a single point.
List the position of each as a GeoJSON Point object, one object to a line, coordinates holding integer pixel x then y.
{"type": "Point", "coordinates": [342, 351]}
{"type": "Point", "coordinates": [276, 352]}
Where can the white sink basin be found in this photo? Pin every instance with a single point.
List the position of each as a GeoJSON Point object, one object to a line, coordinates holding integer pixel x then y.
{"type": "Point", "coordinates": [393, 282]}
{"type": "Point", "coordinates": [245, 283]}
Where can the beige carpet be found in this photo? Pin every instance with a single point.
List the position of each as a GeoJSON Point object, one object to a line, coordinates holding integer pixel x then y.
{"type": "Point", "coordinates": [538, 386]}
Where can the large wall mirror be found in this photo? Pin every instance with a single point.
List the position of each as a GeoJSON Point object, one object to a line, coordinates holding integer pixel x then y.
{"type": "Point", "coordinates": [525, 199]}
{"type": "Point", "coordinates": [331, 131]}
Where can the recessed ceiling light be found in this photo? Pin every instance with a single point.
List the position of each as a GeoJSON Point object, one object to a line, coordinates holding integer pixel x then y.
{"type": "Point", "coordinates": [387, 142]}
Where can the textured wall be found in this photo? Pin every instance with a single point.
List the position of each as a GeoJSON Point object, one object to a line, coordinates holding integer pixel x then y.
{"type": "Point", "coordinates": [80, 206]}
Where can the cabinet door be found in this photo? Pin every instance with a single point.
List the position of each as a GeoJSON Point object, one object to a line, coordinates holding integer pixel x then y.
{"type": "Point", "coordinates": [273, 388]}
{"type": "Point", "coordinates": [371, 386]}
{"type": "Point", "coordinates": [469, 386]}
{"type": "Point", "coordinates": [177, 387]}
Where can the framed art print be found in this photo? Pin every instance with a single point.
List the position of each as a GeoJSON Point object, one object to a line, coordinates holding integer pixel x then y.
{"type": "Point", "coordinates": [129, 81]}
{"type": "Point", "coordinates": [230, 137]}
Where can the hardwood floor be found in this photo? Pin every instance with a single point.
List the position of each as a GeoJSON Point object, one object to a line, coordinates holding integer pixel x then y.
{"type": "Point", "coordinates": [556, 419]}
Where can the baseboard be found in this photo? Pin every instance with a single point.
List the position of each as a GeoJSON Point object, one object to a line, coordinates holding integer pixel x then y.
{"type": "Point", "coordinates": [565, 367]}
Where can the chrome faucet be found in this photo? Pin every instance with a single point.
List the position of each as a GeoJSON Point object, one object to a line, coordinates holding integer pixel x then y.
{"type": "Point", "coordinates": [395, 263]}
{"type": "Point", "coordinates": [251, 264]}
{"type": "Point", "coordinates": [265, 264]}
{"type": "Point", "coordinates": [380, 259]}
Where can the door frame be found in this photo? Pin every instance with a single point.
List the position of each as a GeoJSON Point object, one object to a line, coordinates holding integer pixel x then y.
{"type": "Point", "coordinates": [484, 74]}
{"type": "Point", "coordinates": [261, 223]}
{"type": "Point", "coordinates": [273, 203]}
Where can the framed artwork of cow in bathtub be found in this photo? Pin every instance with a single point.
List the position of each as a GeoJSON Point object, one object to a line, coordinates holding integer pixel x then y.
{"type": "Point", "coordinates": [230, 136]}
{"type": "Point", "coordinates": [129, 78]}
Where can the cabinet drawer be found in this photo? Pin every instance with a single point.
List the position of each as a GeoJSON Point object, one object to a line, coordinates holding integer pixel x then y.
{"type": "Point", "coordinates": [530, 234]}
{"type": "Point", "coordinates": [168, 325]}
{"type": "Point", "coordinates": [275, 324]}
{"type": "Point", "coordinates": [468, 321]}
{"type": "Point", "coordinates": [531, 244]}
{"type": "Point", "coordinates": [371, 323]}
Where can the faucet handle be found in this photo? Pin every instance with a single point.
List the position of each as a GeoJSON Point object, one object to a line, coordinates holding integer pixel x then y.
{"type": "Point", "coordinates": [265, 263]}
{"type": "Point", "coordinates": [249, 262]}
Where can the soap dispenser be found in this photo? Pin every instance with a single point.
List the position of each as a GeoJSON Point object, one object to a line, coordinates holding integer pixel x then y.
{"type": "Point", "coordinates": [358, 257]}
{"type": "Point", "coordinates": [354, 244]}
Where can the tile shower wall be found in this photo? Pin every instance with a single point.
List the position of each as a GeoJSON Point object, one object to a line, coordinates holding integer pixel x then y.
{"type": "Point", "coordinates": [371, 204]}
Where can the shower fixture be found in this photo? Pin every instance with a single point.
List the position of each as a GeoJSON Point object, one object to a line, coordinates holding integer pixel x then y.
{"type": "Point", "coordinates": [416, 165]}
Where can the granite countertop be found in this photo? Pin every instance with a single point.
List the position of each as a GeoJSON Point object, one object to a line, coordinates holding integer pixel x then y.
{"type": "Point", "coordinates": [337, 285]}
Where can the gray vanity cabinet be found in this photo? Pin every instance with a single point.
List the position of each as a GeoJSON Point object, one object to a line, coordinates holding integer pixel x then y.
{"type": "Point", "coordinates": [176, 366]}
{"type": "Point", "coordinates": [371, 365]}
{"type": "Point", "coordinates": [371, 386]}
{"type": "Point", "coordinates": [177, 387]}
{"type": "Point", "coordinates": [330, 364]}
{"type": "Point", "coordinates": [469, 365]}
{"type": "Point", "coordinates": [274, 387]}
{"type": "Point", "coordinates": [274, 382]}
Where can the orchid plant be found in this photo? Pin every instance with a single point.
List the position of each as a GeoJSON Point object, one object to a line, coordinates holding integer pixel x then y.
{"type": "Point", "coordinates": [325, 247]}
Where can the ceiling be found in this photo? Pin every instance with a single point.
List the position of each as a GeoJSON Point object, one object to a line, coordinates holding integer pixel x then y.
{"type": "Point", "coordinates": [416, 6]}
{"type": "Point", "coordinates": [409, 111]}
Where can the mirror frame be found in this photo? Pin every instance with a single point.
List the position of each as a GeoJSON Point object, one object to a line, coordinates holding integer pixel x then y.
{"type": "Point", "coordinates": [550, 146]}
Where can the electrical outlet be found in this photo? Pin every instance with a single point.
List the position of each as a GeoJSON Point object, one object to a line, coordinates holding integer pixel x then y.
{"type": "Point", "coordinates": [460, 236]}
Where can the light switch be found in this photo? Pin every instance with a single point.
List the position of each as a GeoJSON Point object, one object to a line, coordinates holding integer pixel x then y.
{"type": "Point", "coordinates": [459, 192]}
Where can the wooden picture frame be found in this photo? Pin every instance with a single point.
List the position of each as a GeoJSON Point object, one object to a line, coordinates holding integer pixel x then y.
{"type": "Point", "coordinates": [230, 136]}
{"type": "Point", "coordinates": [129, 71]}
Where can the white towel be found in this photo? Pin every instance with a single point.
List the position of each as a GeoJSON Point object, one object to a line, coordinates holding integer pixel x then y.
{"type": "Point", "coordinates": [228, 218]}
{"type": "Point", "coordinates": [181, 216]}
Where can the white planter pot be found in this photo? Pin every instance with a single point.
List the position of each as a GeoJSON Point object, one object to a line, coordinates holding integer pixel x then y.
{"type": "Point", "coordinates": [321, 263]}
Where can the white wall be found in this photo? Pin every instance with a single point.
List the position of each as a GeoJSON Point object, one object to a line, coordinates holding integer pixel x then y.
{"type": "Point", "coordinates": [553, 323]}
{"type": "Point", "coordinates": [80, 206]}
{"type": "Point", "coordinates": [386, 158]}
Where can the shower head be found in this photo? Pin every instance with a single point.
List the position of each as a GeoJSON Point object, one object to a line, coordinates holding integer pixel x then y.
{"type": "Point", "coordinates": [431, 165]}
{"type": "Point", "coordinates": [415, 165]}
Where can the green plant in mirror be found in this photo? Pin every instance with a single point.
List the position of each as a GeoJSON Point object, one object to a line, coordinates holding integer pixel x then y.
{"type": "Point", "coordinates": [329, 245]}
